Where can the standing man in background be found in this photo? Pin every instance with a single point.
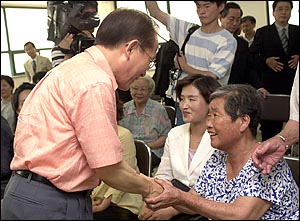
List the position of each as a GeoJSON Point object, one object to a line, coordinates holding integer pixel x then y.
{"type": "Point", "coordinates": [242, 70]}
{"type": "Point", "coordinates": [36, 63]}
{"type": "Point", "coordinates": [66, 139]}
{"type": "Point", "coordinates": [248, 25]}
{"type": "Point", "coordinates": [276, 51]}
{"type": "Point", "coordinates": [210, 49]}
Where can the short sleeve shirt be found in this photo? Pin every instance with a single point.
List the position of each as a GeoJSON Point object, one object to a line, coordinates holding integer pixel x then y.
{"type": "Point", "coordinates": [67, 126]}
{"type": "Point", "coordinates": [207, 52]}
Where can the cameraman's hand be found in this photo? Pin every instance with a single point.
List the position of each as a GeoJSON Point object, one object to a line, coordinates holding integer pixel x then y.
{"type": "Point", "coordinates": [86, 34]}
{"type": "Point", "coordinates": [66, 42]}
{"type": "Point", "coordinates": [180, 61]}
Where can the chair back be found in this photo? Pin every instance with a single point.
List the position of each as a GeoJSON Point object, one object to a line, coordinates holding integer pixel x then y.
{"type": "Point", "coordinates": [293, 163]}
{"type": "Point", "coordinates": [276, 107]}
{"type": "Point", "coordinates": [143, 156]}
{"type": "Point", "coordinates": [171, 113]}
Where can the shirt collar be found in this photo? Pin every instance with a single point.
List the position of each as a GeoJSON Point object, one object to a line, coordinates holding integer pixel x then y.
{"type": "Point", "coordinates": [279, 27]}
{"type": "Point", "coordinates": [102, 62]}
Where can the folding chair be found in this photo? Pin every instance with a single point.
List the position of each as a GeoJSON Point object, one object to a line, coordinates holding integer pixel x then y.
{"type": "Point", "coordinates": [143, 156]}
{"type": "Point", "coordinates": [276, 107]}
{"type": "Point", "coordinates": [171, 113]}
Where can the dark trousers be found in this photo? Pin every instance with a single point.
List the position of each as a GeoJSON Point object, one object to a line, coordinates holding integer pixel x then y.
{"type": "Point", "coordinates": [26, 199]}
{"type": "Point", "coordinates": [115, 213]}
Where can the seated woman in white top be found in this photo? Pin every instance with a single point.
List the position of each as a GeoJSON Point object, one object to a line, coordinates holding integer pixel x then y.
{"type": "Point", "coordinates": [187, 146]}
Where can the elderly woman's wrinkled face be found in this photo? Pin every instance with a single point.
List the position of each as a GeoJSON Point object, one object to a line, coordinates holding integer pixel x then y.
{"type": "Point", "coordinates": [140, 91]}
{"type": "Point", "coordinates": [224, 133]}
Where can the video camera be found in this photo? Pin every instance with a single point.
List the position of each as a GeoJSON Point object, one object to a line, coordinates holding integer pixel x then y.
{"type": "Point", "coordinates": [67, 17]}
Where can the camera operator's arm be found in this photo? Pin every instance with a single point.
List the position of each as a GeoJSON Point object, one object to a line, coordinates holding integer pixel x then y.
{"type": "Point", "coordinates": [57, 53]}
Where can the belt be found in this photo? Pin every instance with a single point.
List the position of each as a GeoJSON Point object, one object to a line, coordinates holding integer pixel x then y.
{"type": "Point", "coordinates": [38, 178]}
{"type": "Point", "coordinates": [34, 176]}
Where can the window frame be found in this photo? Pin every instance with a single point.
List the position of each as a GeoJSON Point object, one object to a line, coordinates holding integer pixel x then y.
{"type": "Point", "coordinates": [10, 52]}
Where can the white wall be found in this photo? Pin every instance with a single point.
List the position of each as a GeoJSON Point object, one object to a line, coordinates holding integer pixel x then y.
{"type": "Point", "coordinates": [258, 9]}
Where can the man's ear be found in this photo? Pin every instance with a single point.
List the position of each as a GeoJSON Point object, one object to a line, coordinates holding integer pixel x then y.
{"type": "Point", "coordinates": [130, 46]}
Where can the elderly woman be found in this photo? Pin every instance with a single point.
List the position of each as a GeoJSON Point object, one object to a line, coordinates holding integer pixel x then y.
{"type": "Point", "coordinates": [147, 119]}
{"type": "Point", "coordinates": [230, 186]}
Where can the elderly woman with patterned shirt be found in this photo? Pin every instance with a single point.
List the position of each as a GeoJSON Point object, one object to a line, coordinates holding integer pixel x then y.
{"type": "Point", "coordinates": [147, 119]}
{"type": "Point", "coordinates": [230, 186]}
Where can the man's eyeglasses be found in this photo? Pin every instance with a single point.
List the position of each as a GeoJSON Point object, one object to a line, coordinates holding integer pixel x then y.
{"type": "Point", "coordinates": [152, 60]}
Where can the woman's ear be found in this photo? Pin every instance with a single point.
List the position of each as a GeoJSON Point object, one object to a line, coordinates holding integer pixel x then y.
{"type": "Point", "coordinates": [245, 121]}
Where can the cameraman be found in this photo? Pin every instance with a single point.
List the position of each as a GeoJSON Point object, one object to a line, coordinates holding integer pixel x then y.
{"type": "Point", "coordinates": [63, 51]}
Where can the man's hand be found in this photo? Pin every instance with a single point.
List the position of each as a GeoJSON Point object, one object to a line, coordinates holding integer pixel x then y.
{"type": "Point", "coordinates": [180, 61]}
{"type": "Point", "coordinates": [294, 61]}
{"type": "Point", "coordinates": [154, 188]}
{"type": "Point", "coordinates": [167, 198]}
{"type": "Point", "coordinates": [268, 153]}
{"type": "Point", "coordinates": [66, 42]}
{"type": "Point", "coordinates": [274, 64]}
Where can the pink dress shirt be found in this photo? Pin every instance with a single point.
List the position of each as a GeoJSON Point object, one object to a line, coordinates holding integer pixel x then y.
{"type": "Point", "coordinates": [67, 126]}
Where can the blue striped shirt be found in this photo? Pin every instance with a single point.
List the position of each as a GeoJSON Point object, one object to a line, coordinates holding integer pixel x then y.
{"type": "Point", "coordinates": [212, 52]}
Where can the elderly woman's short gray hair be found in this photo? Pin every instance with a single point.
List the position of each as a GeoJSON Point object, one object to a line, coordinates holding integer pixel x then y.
{"type": "Point", "coordinates": [150, 82]}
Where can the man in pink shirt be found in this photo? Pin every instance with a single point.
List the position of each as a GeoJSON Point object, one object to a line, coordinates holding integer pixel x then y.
{"type": "Point", "coordinates": [66, 141]}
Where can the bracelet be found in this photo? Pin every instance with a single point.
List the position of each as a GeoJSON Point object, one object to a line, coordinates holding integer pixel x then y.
{"type": "Point", "coordinates": [283, 139]}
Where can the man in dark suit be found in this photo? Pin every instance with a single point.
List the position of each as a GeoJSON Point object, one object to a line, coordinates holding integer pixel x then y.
{"type": "Point", "coordinates": [277, 66]}
{"type": "Point", "coordinates": [242, 69]}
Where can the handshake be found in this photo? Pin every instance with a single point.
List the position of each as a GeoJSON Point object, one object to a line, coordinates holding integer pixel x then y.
{"type": "Point", "coordinates": [162, 195]}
